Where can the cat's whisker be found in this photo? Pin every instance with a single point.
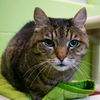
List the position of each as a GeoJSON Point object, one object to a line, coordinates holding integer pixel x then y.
{"type": "Point", "coordinates": [38, 65]}
{"type": "Point", "coordinates": [49, 70]}
{"type": "Point", "coordinates": [44, 68]}
{"type": "Point", "coordinates": [30, 69]}
{"type": "Point", "coordinates": [34, 68]}
{"type": "Point", "coordinates": [80, 71]}
{"type": "Point", "coordinates": [51, 60]}
{"type": "Point", "coordinates": [91, 51]}
{"type": "Point", "coordinates": [86, 75]}
{"type": "Point", "coordinates": [34, 71]}
{"type": "Point", "coordinates": [85, 66]}
{"type": "Point", "coordinates": [74, 69]}
{"type": "Point", "coordinates": [63, 76]}
{"type": "Point", "coordinates": [77, 77]}
{"type": "Point", "coordinates": [88, 63]}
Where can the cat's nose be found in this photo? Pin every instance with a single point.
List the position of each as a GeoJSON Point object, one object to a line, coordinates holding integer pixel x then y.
{"type": "Point", "coordinates": [61, 53]}
{"type": "Point", "coordinates": [61, 59]}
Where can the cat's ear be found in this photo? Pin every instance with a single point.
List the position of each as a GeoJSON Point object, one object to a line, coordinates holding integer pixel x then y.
{"type": "Point", "coordinates": [80, 18]}
{"type": "Point", "coordinates": [41, 18]}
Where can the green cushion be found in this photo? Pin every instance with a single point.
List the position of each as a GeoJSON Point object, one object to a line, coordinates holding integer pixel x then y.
{"type": "Point", "coordinates": [71, 90]}
{"type": "Point", "coordinates": [8, 91]}
{"type": "Point", "coordinates": [65, 90]}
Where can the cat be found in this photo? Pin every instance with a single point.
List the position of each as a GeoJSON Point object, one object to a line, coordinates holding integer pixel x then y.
{"type": "Point", "coordinates": [45, 52]}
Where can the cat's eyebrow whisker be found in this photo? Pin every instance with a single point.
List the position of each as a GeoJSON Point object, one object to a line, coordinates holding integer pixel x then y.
{"type": "Point", "coordinates": [44, 68]}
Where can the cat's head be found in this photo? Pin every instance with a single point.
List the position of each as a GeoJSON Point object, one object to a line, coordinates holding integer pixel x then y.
{"type": "Point", "coordinates": [63, 41]}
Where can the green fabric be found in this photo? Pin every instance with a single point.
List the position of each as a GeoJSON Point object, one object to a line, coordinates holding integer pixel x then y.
{"type": "Point", "coordinates": [65, 90]}
{"type": "Point", "coordinates": [8, 91]}
{"type": "Point", "coordinates": [71, 90]}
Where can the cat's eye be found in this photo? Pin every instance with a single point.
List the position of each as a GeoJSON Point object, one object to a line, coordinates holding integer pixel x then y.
{"type": "Point", "coordinates": [73, 43]}
{"type": "Point", "coordinates": [49, 43]}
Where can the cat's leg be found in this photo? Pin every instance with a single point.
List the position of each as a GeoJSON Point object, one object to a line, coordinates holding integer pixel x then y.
{"type": "Point", "coordinates": [36, 96]}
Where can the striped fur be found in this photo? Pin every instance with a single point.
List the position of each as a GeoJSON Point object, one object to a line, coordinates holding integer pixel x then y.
{"type": "Point", "coordinates": [32, 66]}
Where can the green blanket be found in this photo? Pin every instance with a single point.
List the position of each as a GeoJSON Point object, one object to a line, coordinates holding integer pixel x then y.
{"type": "Point", "coordinates": [65, 90]}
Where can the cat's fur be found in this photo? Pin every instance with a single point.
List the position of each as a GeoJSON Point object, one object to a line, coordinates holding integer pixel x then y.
{"type": "Point", "coordinates": [32, 66]}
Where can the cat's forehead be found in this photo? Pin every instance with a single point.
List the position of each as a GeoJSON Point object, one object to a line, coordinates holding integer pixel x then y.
{"type": "Point", "coordinates": [63, 28]}
{"type": "Point", "coordinates": [65, 33]}
{"type": "Point", "coordinates": [60, 22]}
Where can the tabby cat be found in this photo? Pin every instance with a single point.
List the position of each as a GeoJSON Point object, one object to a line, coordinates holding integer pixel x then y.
{"type": "Point", "coordinates": [44, 52]}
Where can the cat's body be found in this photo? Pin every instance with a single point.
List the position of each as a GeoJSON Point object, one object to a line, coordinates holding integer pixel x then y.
{"type": "Point", "coordinates": [36, 59]}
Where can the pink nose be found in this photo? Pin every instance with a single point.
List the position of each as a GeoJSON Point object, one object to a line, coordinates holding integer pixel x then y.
{"type": "Point", "coordinates": [61, 57]}
{"type": "Point", "coordinates": [61, 53]}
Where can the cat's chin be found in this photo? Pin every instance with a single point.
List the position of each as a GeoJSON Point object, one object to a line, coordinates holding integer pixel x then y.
{"type": "Point", "coordinates": [61, 68]}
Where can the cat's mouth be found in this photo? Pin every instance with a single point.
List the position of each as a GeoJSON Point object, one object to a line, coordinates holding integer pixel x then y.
{"type": "Point", "coordinates": [61, 67]}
